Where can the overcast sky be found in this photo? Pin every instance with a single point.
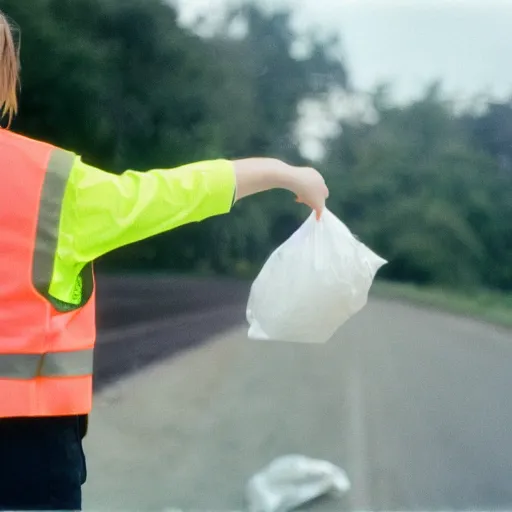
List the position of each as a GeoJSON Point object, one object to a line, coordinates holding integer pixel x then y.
{"type": "Point", "coordinates": [465, 43]}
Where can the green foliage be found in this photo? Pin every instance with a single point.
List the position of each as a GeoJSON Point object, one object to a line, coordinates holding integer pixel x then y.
{"type": "Point", "coordinates": [416, 188]}
{"type": "Point", "coordinates": [123, 84]}
{"type": "Point", "coordinates": [119, 82]}
{"type": "Point", "coordinates": [490, 306]}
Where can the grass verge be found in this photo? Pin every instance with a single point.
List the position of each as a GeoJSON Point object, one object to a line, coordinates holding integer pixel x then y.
{"type": "Point", "coordinates": [489, 306]}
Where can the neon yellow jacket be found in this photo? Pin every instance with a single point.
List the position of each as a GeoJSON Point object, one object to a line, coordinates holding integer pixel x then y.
{"type": "Point", "coordinates": [103, 211]}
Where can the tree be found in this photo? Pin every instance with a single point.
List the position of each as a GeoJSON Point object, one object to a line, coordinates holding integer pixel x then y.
{"type": "Point", "coordinates": [416, 189]}
{"type": "Point", "coordinates": [267, 82]}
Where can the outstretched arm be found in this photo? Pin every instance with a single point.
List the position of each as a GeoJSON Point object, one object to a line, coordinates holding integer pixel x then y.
{"type": "Point", "coordinates": [255, 175]}
{"type": "Point", "coordinates": [102, 211]}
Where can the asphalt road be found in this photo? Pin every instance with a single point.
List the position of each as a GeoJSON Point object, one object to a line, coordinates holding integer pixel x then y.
{"type": "Point", "coordinates": [414, 405]}
{"type": "Point", "coordinates": [142, 320]}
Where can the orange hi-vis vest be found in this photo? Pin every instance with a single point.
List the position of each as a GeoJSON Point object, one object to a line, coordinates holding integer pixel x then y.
{"type": "Point", "coordinates": [46, 346]}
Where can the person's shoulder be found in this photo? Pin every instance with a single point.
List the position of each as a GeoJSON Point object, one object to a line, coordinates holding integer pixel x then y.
{"type": "Point", "coordinates": [21, 140]}
{"type": "Point", "coordinates": [9, 134]}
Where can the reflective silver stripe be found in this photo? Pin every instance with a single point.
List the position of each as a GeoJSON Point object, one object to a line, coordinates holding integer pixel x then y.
{"type": "Point", "coordinates": [19, 366]}
{"type": "Point", "coordinates": [67, 364]}
{"type": "Point", "coordinates": [57, 173]}
{"type": "Point", "coordinates": [60, 166]}
{"type": "Point", "coordinates": [54, 364]}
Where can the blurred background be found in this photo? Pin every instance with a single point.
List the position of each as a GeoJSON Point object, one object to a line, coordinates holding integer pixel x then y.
{"type": "Point", "coordinates": [406, 109]}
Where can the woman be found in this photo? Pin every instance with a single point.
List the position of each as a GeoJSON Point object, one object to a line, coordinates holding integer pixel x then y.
{"type": "Point", "coordinates": [57, 215]}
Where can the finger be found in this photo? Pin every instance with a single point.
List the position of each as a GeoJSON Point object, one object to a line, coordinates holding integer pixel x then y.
{"type": "Point", "coordinates": [320, 209]}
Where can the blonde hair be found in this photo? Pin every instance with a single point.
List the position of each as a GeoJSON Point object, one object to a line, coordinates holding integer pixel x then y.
{"type": "Point", "coordinates": [9, 71]}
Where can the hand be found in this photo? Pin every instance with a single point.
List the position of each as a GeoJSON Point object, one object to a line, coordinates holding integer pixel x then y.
{"type": "Point", "coordinates": [254, 175]}
{"type": "Point", "coordinates": [310, 189]}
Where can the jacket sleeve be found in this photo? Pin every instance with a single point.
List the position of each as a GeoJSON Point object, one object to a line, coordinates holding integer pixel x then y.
{"type": "Point", "coordinates": [103, 211]}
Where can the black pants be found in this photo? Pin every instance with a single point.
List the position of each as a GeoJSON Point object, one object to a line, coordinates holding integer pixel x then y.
{"type": "Point", "coordinates": [42, 463]}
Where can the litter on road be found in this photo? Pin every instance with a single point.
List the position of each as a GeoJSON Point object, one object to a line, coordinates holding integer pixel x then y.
{"type": "Point", "coordinates": [312, 284]}
{"type": "Point", "coordinates": [293, 480]}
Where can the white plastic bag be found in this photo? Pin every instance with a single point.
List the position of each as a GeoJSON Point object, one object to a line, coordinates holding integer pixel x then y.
{"type": "Point", "coordinates": [294, 480]}
{"type": "Point", "coordinates": [312, 284]}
